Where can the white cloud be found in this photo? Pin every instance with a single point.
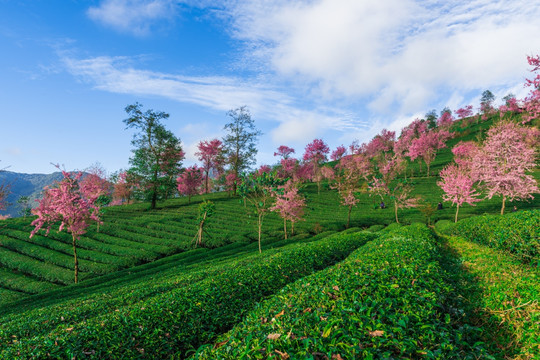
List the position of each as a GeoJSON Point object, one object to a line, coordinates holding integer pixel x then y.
{"type": "Point", "coordinates": [403, 55]}
{"type": "Point", "coordinates": [132, 16]}
{"type": "Point", "coordinates": [115, 74]}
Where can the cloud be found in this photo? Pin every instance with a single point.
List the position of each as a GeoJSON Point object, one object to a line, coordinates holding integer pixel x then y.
{"type": "Point", "coordinates": [400, 55]}
{"type": "Point", "coordinates": [133, 16]}
{"type": "Point", "coordinates": [267, 103]}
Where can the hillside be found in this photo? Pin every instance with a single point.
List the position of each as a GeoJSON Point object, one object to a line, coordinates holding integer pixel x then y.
{"type": "Point", "coordinates": [21, 184]}
{"type": "Point", "coordinates": [325, 293]}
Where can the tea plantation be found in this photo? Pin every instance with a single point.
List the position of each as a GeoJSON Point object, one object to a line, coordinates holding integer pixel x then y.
{"type": "Point", "coordinates": [378, 290]}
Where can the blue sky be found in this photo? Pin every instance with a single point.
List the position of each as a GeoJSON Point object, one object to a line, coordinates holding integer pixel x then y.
{"type": "Point", "coordinates": [336, 69]}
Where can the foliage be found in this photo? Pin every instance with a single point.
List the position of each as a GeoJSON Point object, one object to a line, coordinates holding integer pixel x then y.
{"type": "Point", "coordinates": [532, 101]}
{"type": "Point", "coordinates": [65, 203]}
{"type": "Point", "coordinates": [457, 185]}
{"type": "Point", "coordinates": [338, 153]}
{"type": "Point", "coordinates": [289, 204]}
{"type": "Point", "coordinates": [210, 153]}
{"type": "Point", "coordinates": [157, 155]}
{"type": "Point", "coordinates": [190, 181]}
{"type": "Point", "coordinates": [427, 144]}
{"type": "Point", "coordinates": [206, 210]}
{"type": "Point", "coordinates": [504, 161]}
{"type": "Point", "coordinates": [389, 299]}
{"type": "Point", "coordinates": [240, 142]}
{"type": "Point", "coordinates": [517, 233]}
{"type": "Point", "coordinates": [258, 190]}
{"type": "Point", "coordinates": [170, 318]}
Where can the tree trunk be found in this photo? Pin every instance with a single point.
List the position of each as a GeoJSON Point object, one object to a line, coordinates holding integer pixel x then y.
{"type": "Point", "coordinates": [504, 201]}
{"type": "Point", "coordinates": [457, 210]}
{"type": "Point", "coordinates": [285, 228]}
{"type": "Point", "coordinates": [260, 228]}
{"type": "Point", "coordinates": [76, 260]}
{"type": "Point", "coordinates": [427, 164]}
{"type": "Point", "coordinates": [348, 217]}
{"type": "Point", "coordinates": [206, 183]}
{"type": "Point", "coordinates": [395, 211]}
{"type": "Point", "coordinates": [318, 188]}
{"type": "Point", "coordinates": [292, 228]}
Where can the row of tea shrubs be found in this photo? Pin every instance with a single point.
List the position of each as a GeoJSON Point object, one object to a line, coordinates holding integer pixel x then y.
{"type": "Point", "coordinates": [389, 299]}
{"type": "Point", "coordinates": [184, 310]}
{"type": "Point", "coordinates": [516, 233]}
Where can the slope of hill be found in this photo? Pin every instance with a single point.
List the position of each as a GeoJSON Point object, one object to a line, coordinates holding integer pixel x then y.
{"type": "Point", "coordinates": [145, 290]}
{"type": "Point", "coordinates": [21, 184]}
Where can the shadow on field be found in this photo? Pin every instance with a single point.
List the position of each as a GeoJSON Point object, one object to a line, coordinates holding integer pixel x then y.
{"type": "Point", "coordinates": [498, 338]}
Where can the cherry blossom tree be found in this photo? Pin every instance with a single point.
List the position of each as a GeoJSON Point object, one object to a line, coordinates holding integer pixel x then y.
{"type": "Point", "coordinates": [65, 203]}
{"type": "Point", "coordinates": [504, 162]}
{"type": "Point", "coordinates": [387, 183]}
{"type": "Point", "coordinates": [446, 120]}
{"type": "Point", "coordinates": [263, 169]}
{"type": "Point", "coordinates": [190, 181]}
{"type": "Point", "coordinates": [426, 146]}
{"type": "Point", "coordinates": [347, 180]}
{"type": "Point", "coordinates": [464, 153]}
{"type": "Point", "coordinates": [532, 100]}
{"type": "Point", "coordinates": [211, 155]}
{"type": "Point", "coordinates": [380, 144]}
{"type": "Point", "coordinates": [288, 168]}
{"type": "Point", "coordinates": [284, 152]}
{"type": "Point", "coordinates": [315, 154]}
{"type": "Point", "coordinates": [231, 182]}
{"type": "Point", "coordinates": [338, 153]}
{"type": "Point", "coordinates": [457, 185]}
{"type": "Point", "coordinates": [95, 187]}
{"type": "Point", "coordinates": [464, 112]}
{"type": "Point", "coordinates": [124, 187]}
{"type": "Point", "coordinates": [289, 204]}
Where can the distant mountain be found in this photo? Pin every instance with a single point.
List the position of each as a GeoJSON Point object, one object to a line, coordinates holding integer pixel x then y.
{"type": "Point", "coordinates": [25, 185]}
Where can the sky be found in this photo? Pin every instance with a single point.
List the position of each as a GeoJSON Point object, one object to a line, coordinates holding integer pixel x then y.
{"type": "Point", "coordinates": [340, 70]}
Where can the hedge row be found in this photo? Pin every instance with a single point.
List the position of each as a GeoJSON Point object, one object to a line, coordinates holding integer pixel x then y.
{"type": "Point", "coordinates": [517, 233]}
{"type": "Point", "coordinates": [390, 299]}
{"type": "Point", "coordinates": [175, 322]}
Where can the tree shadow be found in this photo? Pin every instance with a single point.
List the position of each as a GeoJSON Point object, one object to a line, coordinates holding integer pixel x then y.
{"type": "Point", "coordinates": [498, 337]}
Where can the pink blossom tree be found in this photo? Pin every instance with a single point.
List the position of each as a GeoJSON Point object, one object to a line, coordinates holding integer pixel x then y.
{"type": "Point", "coordinates": [211, 155]}
{"type": "Point", "coordinates": [288, 169]}
{"type": "Point", "coordinates": [65, 203]}
{"type": "Point", "coordinates": [190, 181]}
{"type": "Point", "coordinates": [263, 169]}
{"type": "Point", "coordinates": [315, 154]}
{"type": "Point", "coordinates": [503, 163]}
{"type": "Point", "coordinates": [464, 153]}
{"type": "Point", "coordinates": [464, 112]}
{"type": "Point", "coordinates": [289, 204]}
{"type": "Point", "coordinates": [284, 152]}
{"type": "Point", "coordinates": [532, 101]}
{"type": "Point", "coordinates": [386, 183]}
{"type": "Point", "coordinates": [338, 153]}
{"type": "Point", "coordinates": [347, 180]}
{"type": "Point", "coordinates": [457, 185]}
{"type": "Point", "coordinates": [426, 146]}
{"type": "Point", "coordinates": [445, 121]}
{"type": "Point", "coordinates": [231, 182]}
{"type": "Point", "coordinates": [124, 187]}
{"type": "Point", "coordinates": [96, 188]}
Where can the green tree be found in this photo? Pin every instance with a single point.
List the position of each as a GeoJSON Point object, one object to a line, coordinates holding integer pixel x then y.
{"type": "Point", "coordinates": [158, 154]}
{"type": "Point", "coordinates": [24, 203]}
{"type": "Point", "coordinates": [240, 142]}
